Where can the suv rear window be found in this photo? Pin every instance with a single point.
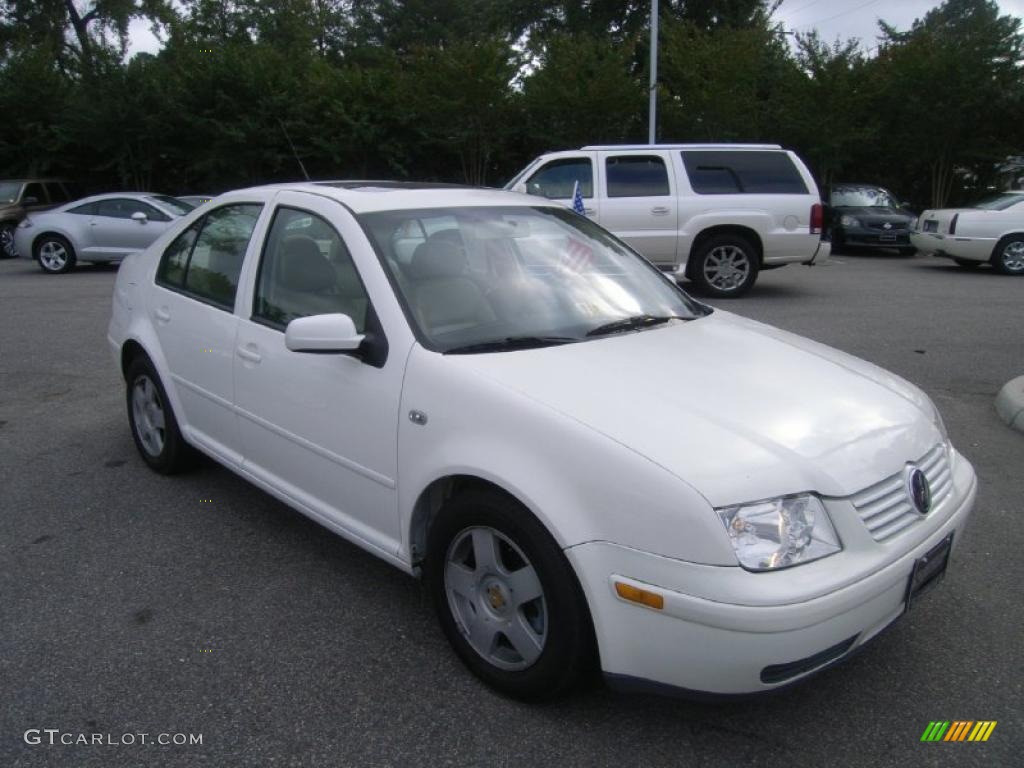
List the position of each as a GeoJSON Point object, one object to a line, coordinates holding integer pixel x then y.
{"type": "Point", "coordinates": [636, 176]}
{"type": "Point", "coordinates": [748, 172]}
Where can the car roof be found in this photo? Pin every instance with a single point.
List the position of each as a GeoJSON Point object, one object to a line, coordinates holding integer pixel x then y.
{"type": "Point", "coordinates": [614, 147]}
{"type": "Point", "coordinates": [44, 179]}
{"type": "Point", "coordinates": [112, 195]}
{"type": "Point", "coordinates": [370, 196]}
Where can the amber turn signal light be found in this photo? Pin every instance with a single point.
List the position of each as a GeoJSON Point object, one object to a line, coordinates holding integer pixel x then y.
{"type": "Point", "coordinates": [637, 595]}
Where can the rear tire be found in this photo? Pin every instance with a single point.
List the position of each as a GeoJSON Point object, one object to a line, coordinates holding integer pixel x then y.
{"type": "Point", "coordinates": [725, 266]}
{"type": "Point", "coordinates": [54, 254]}
{"type": "Point", "coordinates": [153, 424]}
{"type": "Point", "coordinates": [506, 597]}
{"type": "Point", "coordinates": [1008, 256]}
{"type": "Point", "coordinates": [967, 263]}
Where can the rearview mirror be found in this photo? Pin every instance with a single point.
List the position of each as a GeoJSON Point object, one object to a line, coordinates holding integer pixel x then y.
{"type": "Point", "coordinates": [322, 333]}
{"type": "Point", "coordinates": [140, 217]}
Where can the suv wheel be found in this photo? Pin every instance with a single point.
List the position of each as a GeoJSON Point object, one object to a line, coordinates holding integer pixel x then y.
{"type": "Point", "coordinates": [725, 266]}
{"type": "Point", "coordinates": [54, 254]}
{"type": "Point", "coordinates": [506, 597]}
{"type": "Point", "coordinates": [1008, 257]}
{"type": "Point", "coordinates": [7, 240]}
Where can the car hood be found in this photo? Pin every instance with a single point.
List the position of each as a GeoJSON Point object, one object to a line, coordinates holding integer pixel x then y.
{"type": "Point", "coordinates": [738, 410]}
{"type": "Point", "coordinates": [7, 208]}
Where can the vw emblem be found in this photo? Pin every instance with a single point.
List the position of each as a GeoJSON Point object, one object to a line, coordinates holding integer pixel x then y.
{"type": "Point", "coordinates": [887, 225]}
{"type": "Point", "coordinates": [920, 490]}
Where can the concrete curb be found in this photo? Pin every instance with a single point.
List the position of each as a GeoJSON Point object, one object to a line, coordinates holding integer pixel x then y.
{"type": "Point", "coordinates": [1010, 403]}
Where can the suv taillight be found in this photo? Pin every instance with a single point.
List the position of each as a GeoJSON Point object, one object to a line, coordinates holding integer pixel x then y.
{"type": "Point", "coordinates": [817, 218]}
{"type": "Point", "coordinates": [952, 224]}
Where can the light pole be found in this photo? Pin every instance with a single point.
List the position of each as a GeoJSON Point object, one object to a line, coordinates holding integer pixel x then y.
{"type": "Point", "coordinates": [652, 117]}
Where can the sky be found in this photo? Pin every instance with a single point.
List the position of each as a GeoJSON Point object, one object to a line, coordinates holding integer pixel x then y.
{"type": "Point", "coordinates": [832, 18]}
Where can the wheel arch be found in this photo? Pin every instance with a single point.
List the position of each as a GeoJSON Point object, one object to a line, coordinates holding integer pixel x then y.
{"type": "Point", "coordinates": [430, 500]}
{"type": "Point", "coordinates": [51, 231]}
{"type": "Point", "coordinates": [740, 230]}
{"type": "Point", "coordinates": [1002, 241]}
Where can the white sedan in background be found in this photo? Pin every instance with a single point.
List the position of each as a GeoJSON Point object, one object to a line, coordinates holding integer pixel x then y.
{"type": "Point", "coordinates": [990, 232]}
{"type": "Point", "coordinates": [102, 229]}
{"type": "Point", "coordinates": [586, 465]}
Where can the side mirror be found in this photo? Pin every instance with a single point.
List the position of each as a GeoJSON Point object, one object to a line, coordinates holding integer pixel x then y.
{"type": "Point", "coordinates": [520, 187]}
{"type": "Point", "coordinates": [140, 217]}
{"type": "Point", "coordinates": [30, 200]}
{"type": "Point", "coordinates": [322, 333]}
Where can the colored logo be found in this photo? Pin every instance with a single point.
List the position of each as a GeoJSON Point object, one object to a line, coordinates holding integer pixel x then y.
{"type": "Point", "coordinates": [958, 730]}
{"type": "Point", "coordinates": [920, 490]}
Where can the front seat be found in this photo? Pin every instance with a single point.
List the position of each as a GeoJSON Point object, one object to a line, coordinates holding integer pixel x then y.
{"type": "Point", "coordinates": [443, 296]}
{"type": "Point", "coordinates": [306, 283]}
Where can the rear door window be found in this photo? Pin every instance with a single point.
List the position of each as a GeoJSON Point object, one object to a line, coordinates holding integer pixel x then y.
{"type": "Point", "coordinates": [556, 180]}
{"type": "Point", "coordinates": [56, 192]}
{"type": "Point", "coordinates": [751, 172]}
{"type": "Point", "coordinates": [637, 176]}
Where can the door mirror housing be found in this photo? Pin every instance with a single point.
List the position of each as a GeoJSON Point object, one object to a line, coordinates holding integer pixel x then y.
{"type": "Point", "coordinates": [30, 200]}
{"type": "Point", "coordinates": [140, 217]}
{"type": "Point", "coordinates": [520, 187]}
{"type": "Point", "coordinates": [334, 333]}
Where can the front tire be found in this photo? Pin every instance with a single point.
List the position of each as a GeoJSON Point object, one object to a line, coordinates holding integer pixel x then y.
{"type": "Point", "coordinates": [726, 266]}
{"type": "Point", "coordinates": [1008, 256]}
{"type": "Point", "coordinates": [506, 597]}
{"type": "Point", "coordinates": [154, 426]}
{"type": "Point", "coordinates": [7, 250]}
{"type": "Point", "coordinates": [54, 254]}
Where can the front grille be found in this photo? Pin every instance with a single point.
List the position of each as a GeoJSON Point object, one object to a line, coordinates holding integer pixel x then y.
{"type": "Point", "coordinates": [886, 507]}
{"type": "Point", "coordinates": [893, 227]}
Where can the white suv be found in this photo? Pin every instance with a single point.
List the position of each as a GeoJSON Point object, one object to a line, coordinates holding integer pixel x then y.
{"type": "Point", "coordinates": [714, 213]}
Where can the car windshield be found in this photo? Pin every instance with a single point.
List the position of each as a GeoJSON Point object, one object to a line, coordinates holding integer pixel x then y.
{"type": "Point", "coordinates": [862, 197]}
{"type": "Point", "coordinates": [173, 204]}
{"type": "Point", "coordinates": [9, 191]}
{"type": "Point", "coordinates": [1000, 202]}
{"type": "Point", "coordinates": [491, 278]}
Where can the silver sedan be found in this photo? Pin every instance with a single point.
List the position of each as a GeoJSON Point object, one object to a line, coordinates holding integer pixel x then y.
{"type": "Point", "coordinates": [102, 228]}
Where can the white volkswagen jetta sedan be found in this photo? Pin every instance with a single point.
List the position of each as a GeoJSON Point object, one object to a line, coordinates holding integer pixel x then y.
{"type": "Point", "coordinates": [586, 465]}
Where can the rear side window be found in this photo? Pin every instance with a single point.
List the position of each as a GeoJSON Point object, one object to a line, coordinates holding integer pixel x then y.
{"type": "Point", "coordinates": [89, 209]}
{"type": "Point", "coordinates": [636, 176]}
{"type": "Point", "coordinates": [206, 259]}
{"type": "Point", "coordinates": [748, 172]}
{"type": "Point", "coordinates": [56, 192]}
{"type": "Point", "coordinates": [557, 179]}
{"type": "Point", "coordinates": [124, 207]}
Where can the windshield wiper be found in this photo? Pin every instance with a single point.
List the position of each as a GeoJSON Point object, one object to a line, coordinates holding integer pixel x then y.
{"type": "Point", "coordinates": [510, 343]}
{"type": "Point", "coordinates": [633, 323]}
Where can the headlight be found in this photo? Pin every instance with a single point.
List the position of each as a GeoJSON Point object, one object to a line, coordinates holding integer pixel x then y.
{"type": "Point", "coordinates": [912, 225]}
{"type": "Point", "coordinates": [768, 535]}
{"type": "Point", "coordinates": [849, 221]}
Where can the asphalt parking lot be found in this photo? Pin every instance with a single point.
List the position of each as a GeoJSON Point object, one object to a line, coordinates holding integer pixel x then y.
{"type": "Point", "coordinates": [134, 603]}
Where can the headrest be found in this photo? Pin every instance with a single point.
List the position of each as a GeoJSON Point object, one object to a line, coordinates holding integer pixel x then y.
{"type": "Point", "coordinates": [440, 255]}
{"type": "Point", "coordinates": [303, 267]}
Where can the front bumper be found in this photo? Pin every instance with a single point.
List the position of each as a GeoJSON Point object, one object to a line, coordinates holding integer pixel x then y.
{"type": "Point", "coordinates": [875, 238]}
{"type": "Point", "coordinates": [701, 642]}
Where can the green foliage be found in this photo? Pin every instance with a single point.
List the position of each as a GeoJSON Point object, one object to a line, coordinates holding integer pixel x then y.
{"type": "Point", "coordinates": [251, 91]}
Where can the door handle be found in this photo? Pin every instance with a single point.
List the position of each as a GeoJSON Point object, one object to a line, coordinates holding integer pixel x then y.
{"type": "Point", "coordinates": [249, 354]}
{"type": "Point", "coordinates": [588, 211]}
{"type": "Point", "coordinates": [659, 210]}
{"type": "Point", "coordinates": [162, 315]}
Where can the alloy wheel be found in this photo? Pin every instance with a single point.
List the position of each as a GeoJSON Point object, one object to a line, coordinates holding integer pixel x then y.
{"type": "Point", "coordinates": [726, 267]}
{"type": "Point", "coordinates": [7, 242]}
{"type": "Point", "coordinates": [53, 256]}
{"type": "Point", "coordinates": [148, 415]}
{"type": "Point", "coordinates": [496, 598]}
{"type": "Point", "coordinates": [1013, 256]}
